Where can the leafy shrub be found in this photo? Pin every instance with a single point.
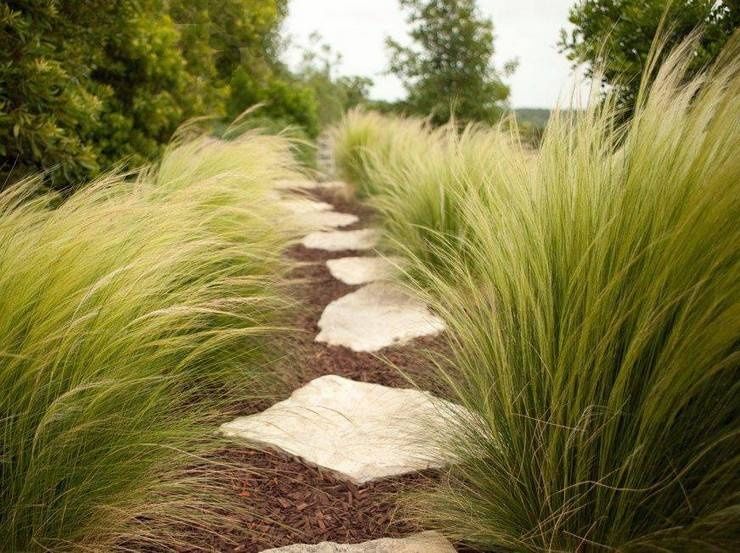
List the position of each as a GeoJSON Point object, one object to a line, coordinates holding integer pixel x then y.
{"type": "Point", "coordinates": [615, 36]}
{"type": "Point", "coordinates": [593, 312]}
{"type": "Point", "coordinates": [136, 315]}
{"type": "Point", "coordinates": [84, 85]}
{"type": "Point", "coordinates": [448, 68]}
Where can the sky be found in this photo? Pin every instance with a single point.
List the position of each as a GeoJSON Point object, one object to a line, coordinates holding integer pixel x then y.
{"type": "Point", "coordinates": [527, 30]}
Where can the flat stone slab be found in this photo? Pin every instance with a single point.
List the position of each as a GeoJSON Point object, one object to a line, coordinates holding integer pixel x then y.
{"type": "Point", "coordinates": [302, 206]}
{"type": "Point", "coordinates": [426, 542]}
{"type": "Point", "coordinates": [339, 240]}
{"type": "Point", "coordinates": [361, 431]}
{"type": "Point", "coordinates": [326, 219]}
{"type": "Point", "coordinates": [376, 316]}
{"type": "Point", "coordinates": [361, 270]}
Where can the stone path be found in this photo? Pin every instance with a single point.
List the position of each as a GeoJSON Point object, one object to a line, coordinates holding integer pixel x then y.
{"type": "Point", "coordinates": [361, 432]}
{"type": "Point", "coordinates": [311, 214]}
{"type": "Point", "coordinates": [363, 270]}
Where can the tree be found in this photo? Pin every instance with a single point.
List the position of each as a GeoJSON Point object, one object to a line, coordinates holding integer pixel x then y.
{"type": "Point", "coordinates": [448, 69]}
{"type": "Point", "coordinates": [86, 83]}
{"type": "Point", "coordinates": [46, 107]}
{"type": "Point", "coordinates": [615, 36]}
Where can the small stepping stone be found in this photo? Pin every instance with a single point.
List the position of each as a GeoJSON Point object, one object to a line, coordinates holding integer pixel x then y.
{"type": "Point", "coordinates": [361, 431]}
{"type": "Point", "coordinates": [376, 316]}
{"type": "Point", "coordinates": [338, 240]}
{"type": "Point", "coordinates": [301, 206]}
{"type": "Point", "coordinates": [327, 219]}
{"type": "Point", "coordinates": [426, 542]}
{"type": "Point", "coordinates": [312, 185]}
{"type": "Point", "coordinates": [361, 270]}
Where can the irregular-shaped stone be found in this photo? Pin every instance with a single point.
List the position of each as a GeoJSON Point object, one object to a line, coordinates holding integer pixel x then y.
{"type": "Point", "coordinates": [376, 316]}
{"type": "Point", "coordinates": [339, 240]}
{"type": "Point", "coordinates": [426, 542]}
{"type": "Point", "coordinates": [301, 206]}
{"type": "Point", "coordinates": [361, 431]}
{"type": "Point", "coordinates": [326, 219]}
{"type": "Point", "coordinates": [361, 270]}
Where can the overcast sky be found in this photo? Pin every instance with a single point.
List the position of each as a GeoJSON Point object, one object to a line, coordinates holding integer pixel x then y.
{"type": "Point", "coordinates": [525, 29]}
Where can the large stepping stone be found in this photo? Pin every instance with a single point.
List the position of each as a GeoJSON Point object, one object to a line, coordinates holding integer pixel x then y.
{"type": "Point", "coordinates": [314, 215]}
{"type": "Point", "coordinates": [376, 316]}
{"type": "Point", "coordinates": [339, 240]}
{"type": "Point", "coordinates": [361, 431]}
{"type": "Point", "coordinates": [426, 542]}
{"type": "Point", "coordinates": [361, 270]}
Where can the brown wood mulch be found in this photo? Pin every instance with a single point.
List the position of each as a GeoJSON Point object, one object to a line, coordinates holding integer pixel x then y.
{"type": "Point", "coordinates": [293, 503]}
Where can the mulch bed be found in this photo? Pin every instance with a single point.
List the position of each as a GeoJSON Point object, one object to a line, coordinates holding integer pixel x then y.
{"type": "Point", "coordinates": [296, 503]}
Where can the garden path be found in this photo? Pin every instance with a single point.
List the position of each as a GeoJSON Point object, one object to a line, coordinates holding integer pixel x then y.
{"type": "Point", "coordinates": [354, 430]}
{"type": "Point", "coordinates": [366, 431]}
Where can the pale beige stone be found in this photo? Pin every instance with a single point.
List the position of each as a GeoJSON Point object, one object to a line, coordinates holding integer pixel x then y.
{"type": "Point", "coordinates": [376, 316]}
{"type": "Point", "coordinates": [326, 220]}
{"type": "Point", "coordinates": [339, 240]}
{"type": "Point", "coordinates": [361, 431]}
{"type": "Point", "coordinates": [307, 184]}
{"type": "Point", "coordinates": [302, 206]}
{"type": "Point", "coordinates": [426, 542]}
{"type": "Point", "coordinates": [362, 270]}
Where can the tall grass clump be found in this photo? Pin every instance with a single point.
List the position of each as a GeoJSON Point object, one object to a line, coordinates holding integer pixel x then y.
{"type": "Point", "coordinates": [419, 177]}
{"type": "Point", "coordinates": [594, 321]}
{"type": "Point", "coordinates": [136, 314]}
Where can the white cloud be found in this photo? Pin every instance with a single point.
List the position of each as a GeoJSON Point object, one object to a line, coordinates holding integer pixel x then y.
{"type": "Point", "coordinates": [525, 29]}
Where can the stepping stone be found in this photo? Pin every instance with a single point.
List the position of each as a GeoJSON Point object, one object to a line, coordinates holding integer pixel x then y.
{"type": "Point", "coordinates": [361, 431]}
{"type": "Point", "coordinates": [338, 240]}
{"type": "Point", "coordinates": [314, 215]}
{"type": "Point", "coordinates": [327, 219]}
{"type": "Point", "coordinates": [361, 270]}
{"type": "Point", "coordinates": [426, 542]}
{"type": "Point", "coordinates": [301, 206]}
{"type": "Point", "coordinates": [376, 316]}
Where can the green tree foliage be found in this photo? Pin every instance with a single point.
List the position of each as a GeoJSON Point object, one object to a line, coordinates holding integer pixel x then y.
{"type": "Point", "coordinates": [448, 69]}
{"type": "Point", "coordinates": [85, 83]}
{"type": "Point", "coordinates": [46, 107]}
{"type": "Point", "coordinates": [615, 36]}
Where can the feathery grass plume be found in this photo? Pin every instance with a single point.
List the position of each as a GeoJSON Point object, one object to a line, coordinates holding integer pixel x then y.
{"type": "Point", "coordinates": [135, 316]}
{"type": "Point", "coordinates": [419, 177]}
{"type": "Point", "coordinates": [595, 326]}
